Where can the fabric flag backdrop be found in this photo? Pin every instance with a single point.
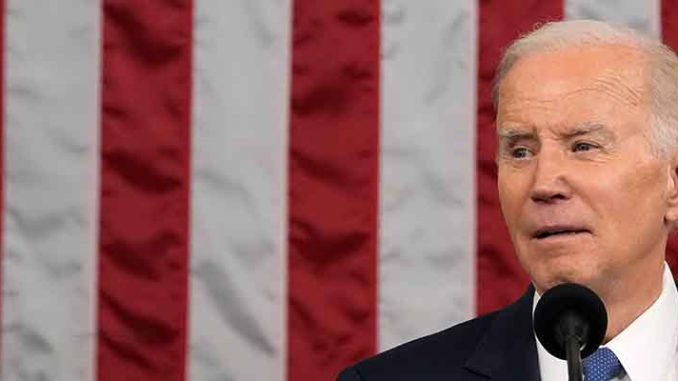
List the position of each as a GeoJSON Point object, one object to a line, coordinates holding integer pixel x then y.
{"type": "Point", "coordinates": [253, 190]}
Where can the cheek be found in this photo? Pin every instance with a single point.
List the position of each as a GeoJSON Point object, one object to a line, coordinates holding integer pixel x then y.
{"type": "Point", "coordinates": [512, 194]}
{"type": "Point", "coordinates": [631, 202]}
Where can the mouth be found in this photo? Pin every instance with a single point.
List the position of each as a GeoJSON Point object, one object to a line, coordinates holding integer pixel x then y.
{"type": "Point", "coordinates": [558, 231]}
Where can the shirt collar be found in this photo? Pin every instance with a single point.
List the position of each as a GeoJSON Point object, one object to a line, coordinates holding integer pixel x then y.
{"type": "Point", "coordinates": [645, 348]}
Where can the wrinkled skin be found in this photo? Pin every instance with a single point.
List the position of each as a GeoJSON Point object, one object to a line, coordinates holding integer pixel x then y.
{"type": "Point", "coordinates": [585, 197]}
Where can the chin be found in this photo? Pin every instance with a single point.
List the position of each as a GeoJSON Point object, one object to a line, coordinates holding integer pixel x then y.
{"type": "Point", "coordinates": [548, 275]}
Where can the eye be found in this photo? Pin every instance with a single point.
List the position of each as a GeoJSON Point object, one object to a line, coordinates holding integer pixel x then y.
{"type": "Point", "coordinates": [520, 153]}
{"type": "Point", "coordinates": [583, 147]}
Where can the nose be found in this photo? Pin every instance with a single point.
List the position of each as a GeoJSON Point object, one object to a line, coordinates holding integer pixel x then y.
{"type": "Point", "coordinates": [550, 181]}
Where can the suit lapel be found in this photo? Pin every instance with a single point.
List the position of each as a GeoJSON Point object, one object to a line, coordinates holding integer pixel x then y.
{"type": "Point", "coordinates": [508, 350]}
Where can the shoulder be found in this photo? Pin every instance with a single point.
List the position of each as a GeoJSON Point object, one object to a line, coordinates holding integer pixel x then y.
{"type": "Point", "coordinates": [442, 353]}
{"type": "Point", "coordinates": [498, 343]}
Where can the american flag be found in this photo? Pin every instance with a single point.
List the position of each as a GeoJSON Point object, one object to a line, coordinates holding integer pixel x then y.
{"type": "Point", "coordinates": [256, 189]}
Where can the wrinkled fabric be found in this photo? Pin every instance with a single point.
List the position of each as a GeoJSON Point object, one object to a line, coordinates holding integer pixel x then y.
{"type": "Point", "coordinates": [145, 145]}
{"type": "Point", "coordinates": [333, 162]}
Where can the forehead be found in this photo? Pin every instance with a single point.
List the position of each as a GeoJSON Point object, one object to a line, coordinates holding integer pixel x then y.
{"type": "Point", "coordinates": [569, 68]}
{"type": "Point", "coordinates": [575, 82]}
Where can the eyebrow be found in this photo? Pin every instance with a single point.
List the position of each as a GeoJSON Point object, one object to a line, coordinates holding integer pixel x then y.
{"type": "Point", "coordinates": [586, 129]}
{"type": "Point", "coordinates": [512, 135]}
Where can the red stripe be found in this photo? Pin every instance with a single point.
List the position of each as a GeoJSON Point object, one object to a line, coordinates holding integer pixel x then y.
{"type": "Point", "coordinates": [669, 15]}
{"type": "Point", "coordinates": [500, 277]}
{"type": "Point", "coordinates": [143, 245]}
{"type": "Point", "coordinates": [333, 180]}
{"type": "Point", "coordinates": [3, 43]}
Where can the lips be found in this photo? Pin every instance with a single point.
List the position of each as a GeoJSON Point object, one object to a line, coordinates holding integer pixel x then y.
{"type": "Point", "coordinates": [558, 231]}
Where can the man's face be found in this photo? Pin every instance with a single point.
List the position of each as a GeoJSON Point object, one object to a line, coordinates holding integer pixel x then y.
{"type": "Point", "coordinates": [584, 197]}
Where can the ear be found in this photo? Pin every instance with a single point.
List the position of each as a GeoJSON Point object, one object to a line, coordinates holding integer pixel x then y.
{"type": "Point", "coordinates": [671, 216]}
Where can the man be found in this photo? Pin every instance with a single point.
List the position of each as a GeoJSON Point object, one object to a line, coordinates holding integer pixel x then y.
{"type": "Point", "coordinates": [587, 126]}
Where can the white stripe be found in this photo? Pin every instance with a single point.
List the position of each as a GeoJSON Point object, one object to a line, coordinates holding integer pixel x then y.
{"type": "Point", "coordinates": [427, 195]}
{"type": "Point", "coordinates": [51, 152]}
{"type": "Point", "coordinates": [238, 194]}
{"type": "Point", "coordinates": [644, 15]}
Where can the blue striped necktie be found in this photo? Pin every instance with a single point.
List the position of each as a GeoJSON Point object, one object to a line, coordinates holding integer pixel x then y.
{"type": "Point", "coordinates": [602, 365]}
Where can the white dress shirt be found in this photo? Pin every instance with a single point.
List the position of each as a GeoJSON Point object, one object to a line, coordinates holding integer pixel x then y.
{"type": "Point", "coordinates": [647, 348]}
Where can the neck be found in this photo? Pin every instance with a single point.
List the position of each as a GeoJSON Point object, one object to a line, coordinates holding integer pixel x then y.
{"type": "Point", "coordinates": [626, 300]}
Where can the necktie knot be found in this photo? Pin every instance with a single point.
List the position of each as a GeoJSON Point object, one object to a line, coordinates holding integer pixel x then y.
{"type": "Point", "coordinates": [602, 365]}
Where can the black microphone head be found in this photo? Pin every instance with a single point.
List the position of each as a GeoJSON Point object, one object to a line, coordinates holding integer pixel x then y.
{"type": "Point", "coordinates": [572, 301]}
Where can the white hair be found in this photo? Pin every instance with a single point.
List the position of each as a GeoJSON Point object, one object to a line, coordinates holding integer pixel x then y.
{"type": "Point", "coordinates": [662, 67]}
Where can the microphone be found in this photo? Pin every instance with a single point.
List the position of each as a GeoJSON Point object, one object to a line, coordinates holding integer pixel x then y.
{"type": "Point", "coordinates": [570, 321]}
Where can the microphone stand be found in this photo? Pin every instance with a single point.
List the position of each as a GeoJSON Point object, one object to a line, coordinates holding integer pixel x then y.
{"type": "Point", "coordinates": [574, 331]}
{"type": "Point", "coordinates": [574, 368]}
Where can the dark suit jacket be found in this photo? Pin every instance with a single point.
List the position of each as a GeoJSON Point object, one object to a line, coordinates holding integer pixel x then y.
{"type": "Point", "coordinates": [498, 346]}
